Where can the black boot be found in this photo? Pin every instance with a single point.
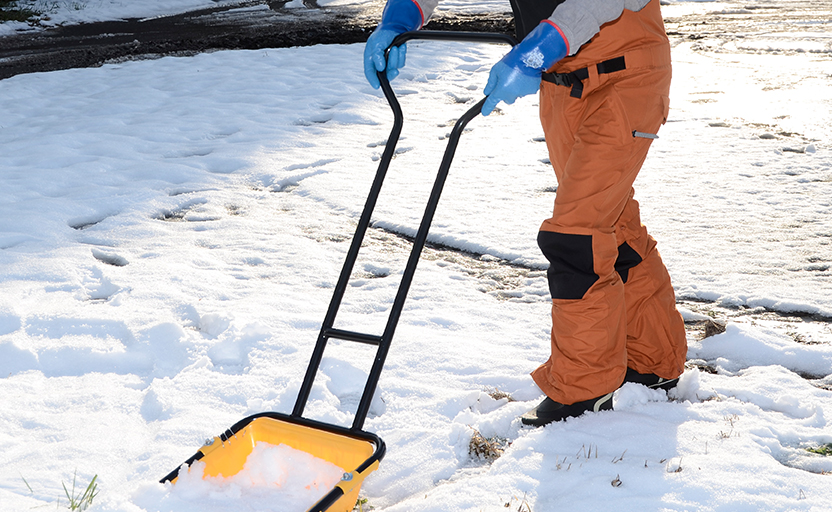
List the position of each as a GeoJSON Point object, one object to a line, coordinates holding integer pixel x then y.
{"type": "Point", "coordinates": [650, 380]}
{"type": "Point", "coordinates": [548, 410]}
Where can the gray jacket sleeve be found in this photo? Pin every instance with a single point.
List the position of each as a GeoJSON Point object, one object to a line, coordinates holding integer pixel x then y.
{"type": "Point", "coordinates": [427, 7]}
{"type": "Point", "coordinates": [580, 20]}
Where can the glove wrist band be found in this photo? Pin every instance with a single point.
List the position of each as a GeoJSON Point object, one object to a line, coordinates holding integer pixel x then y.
{"type": "Point", "coordinates": [401, 16]}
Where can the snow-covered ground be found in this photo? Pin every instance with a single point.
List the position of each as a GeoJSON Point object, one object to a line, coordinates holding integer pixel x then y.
{"type": "Point", "coordinates": [170, 232]}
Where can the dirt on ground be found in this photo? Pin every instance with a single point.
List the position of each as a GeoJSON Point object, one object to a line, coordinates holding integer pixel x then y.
{"type": "Point", "coordinates": [241, 26]}
{"type": "Point", "coordinates": [260, 24]}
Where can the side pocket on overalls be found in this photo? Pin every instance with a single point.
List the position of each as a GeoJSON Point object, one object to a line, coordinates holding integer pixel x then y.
{"type": "Point", "coordinates": [665, 106]}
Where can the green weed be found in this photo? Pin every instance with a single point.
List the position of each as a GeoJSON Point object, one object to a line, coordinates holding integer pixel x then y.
{"type": "Point", "coordinates": [27, 485]}
{"type": "Point", "coordinates": [361, 505]}
{"type": "Point", "coordinates": [11, 11]}
{"type": "Point", "coordinates": [82, 501]}
{"type": "Point", "coordinates": [824, 449]}
{"type": "Point", "coordinates": [78, 500]}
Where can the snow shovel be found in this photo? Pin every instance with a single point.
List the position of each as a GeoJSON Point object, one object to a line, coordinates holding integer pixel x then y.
{"type": "Point", "coordinates": [357, 451]}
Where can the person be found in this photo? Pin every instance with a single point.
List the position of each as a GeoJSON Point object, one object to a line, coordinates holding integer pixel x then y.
{"type": "Point", "coordinates": [602, 69]}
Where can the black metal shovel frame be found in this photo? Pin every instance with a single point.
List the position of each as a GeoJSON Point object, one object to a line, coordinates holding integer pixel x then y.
{"type": "Point", "coordinates": [328, 331]}
{"type": "Point", "coordinates": [383, 342]}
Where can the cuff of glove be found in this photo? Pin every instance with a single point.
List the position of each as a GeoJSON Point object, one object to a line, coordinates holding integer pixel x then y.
{"type": "Point", "coordinates": [563, 38]}
{"type": "Point", "coordinates": [402, 16]}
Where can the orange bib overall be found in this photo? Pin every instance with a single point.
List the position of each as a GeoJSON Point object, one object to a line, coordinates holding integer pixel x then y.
{"type": "Point", "coordinates": [613, 306]}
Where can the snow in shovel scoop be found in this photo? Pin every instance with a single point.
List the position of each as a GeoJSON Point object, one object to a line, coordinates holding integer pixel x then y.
{"type": "Point", "coordinates": [274, 478]}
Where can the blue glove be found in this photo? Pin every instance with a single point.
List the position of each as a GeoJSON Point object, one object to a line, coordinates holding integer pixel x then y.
{"type": "Point", "coordinates": [399, 16]}
{"type": "Point", "coordinates": [518, 73]}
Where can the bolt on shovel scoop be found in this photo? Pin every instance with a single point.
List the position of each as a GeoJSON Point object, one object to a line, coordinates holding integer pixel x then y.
{"type": "Point", "coordinates": [356, 451]}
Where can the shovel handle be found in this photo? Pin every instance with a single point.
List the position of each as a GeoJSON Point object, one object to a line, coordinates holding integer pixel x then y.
{"type": "Point", "coordinates": [383, 342]}
{"type": "Point", "coordinates": [433, 35]}
{"type": "Point", "coordinates": [441, 35]}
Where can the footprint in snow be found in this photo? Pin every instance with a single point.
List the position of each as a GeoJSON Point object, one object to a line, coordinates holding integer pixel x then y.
{"type": "Point", "coordinates": [459, 99]}
{"type": "Point", "coordinates": [289, 183]}
{"type": "Point", "coordinates": [320, 118]}
{"type": "Point", "coordinates": [196, 210]}
{"type": "Point", "coordinates": [82, 223]}
{"type": "Point", "coordinates": [98, 287]}
{"type": "Point", "coordinates": [326, 105]}
{"type": "Point", "coordinates": [109, 258]}
{"type": "Point", "coordinates": [347, 382]}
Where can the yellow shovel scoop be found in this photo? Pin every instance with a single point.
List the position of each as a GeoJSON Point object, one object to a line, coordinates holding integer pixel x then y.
{"type": "Point", "coordinates": [356, 451]}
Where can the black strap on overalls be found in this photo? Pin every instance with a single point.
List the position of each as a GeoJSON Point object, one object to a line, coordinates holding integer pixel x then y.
{"type": "Point", "coordinates": [575, 78]}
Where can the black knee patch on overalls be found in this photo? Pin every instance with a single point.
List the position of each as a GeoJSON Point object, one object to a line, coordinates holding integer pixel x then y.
{"type": "Point", "coordinates": [627, 259]}
{"type": "Point", "coordinates": [571, 271]}
{"type": "Point", "coordinates": [571, 268]}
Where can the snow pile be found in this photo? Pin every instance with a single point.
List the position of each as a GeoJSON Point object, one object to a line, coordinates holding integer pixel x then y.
{"type": "Point", "coordinates": [274, 478]}
{"type": "Point", "coordinates": [744, 346]}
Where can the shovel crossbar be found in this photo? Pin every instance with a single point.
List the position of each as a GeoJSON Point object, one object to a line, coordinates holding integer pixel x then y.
{"type": "Point", "coordinates": [347, 447]}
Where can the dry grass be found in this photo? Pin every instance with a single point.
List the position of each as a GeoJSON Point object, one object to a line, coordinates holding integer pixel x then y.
{"type": "Point", "coordinates": [499, 395]}
{"type": "Point", "coordinates": [522, 507]}
{"type": "Point", "coordinates": [713, 327]}
{"type": "Point", "coordinates": [486, 448]}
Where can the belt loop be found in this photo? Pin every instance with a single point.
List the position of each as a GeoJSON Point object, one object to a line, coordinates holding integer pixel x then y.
{"type": "Point", "coordinates": [578, 76]}
{"type": "Point", "coordinates": [593, 77]}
